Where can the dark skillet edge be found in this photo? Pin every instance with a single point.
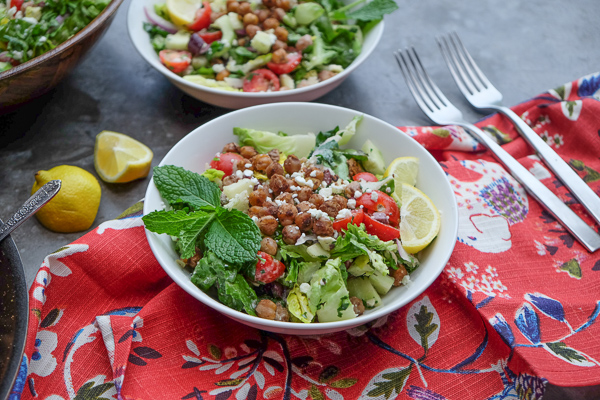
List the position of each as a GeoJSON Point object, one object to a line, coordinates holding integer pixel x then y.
{"type": "Point", "coordinates": [11, 255]}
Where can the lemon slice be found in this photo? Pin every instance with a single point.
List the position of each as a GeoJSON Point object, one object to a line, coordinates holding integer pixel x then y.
{"type": "Point", "coordinates": [119, 158]}
{"type": "Point", "coordinates": [183, 12]}
{"type": "Point", "coordinates": [404, 170]}
{"type": "Point", "coordinates": [419, 219]}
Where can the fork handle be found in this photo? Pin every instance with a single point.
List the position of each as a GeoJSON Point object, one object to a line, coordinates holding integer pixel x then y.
{"type": "Point", "coordinates": [567, 217]}
{"type": "Point", "coordinates": [563, 171]}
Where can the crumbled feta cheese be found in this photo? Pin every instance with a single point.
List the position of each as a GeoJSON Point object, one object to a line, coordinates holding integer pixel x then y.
{"type": "Point", "coordinates": [301, 239]}
{"type": "Point", "coordinates": [248, 173]}
{"type": "Point", "coordinates": [254, 181]}
{"type": "Point", "coordinates": [317, 214]}
{"type": "Point", "coordinates": [357, 194]}
{"type": "Point", "coordinates": [255, 219]}
{"type": "Point", "coordinates": [296, 201]}
{"type": "Point", "coordinates": [371, 302]}
{"type": "Point", "coordinates": [304, 287]}
{"type": "Point", "coordinates": [351, 203]}
{"type": "Point", "coordinates": [294, 188]}
{"type": "Point", "coordinates": [247, 165]}
{"type": "Point", "coordinates": [343, 213]}
{"type": "Point", "coordinates": [388, 189]}
{"type": "Point", "coordinates": [313, 173]}
{"type": "Point", "coordinates": [17, 55]}
{"type": "Point", "coordinates": [406, 280]}
{"type": "Point", "coordinates": [218, 68]}
{"type": "Point", "coordinates": [326, 193]}
{"type": "Point", "coordinates": [368, 191]}
{"type": "Point", "coordinates": [239, 174]}
{"type": "Point", "coordinates": [374, 196]}
{"type": "Point", "coordinates": [294, 195]}
{"type": "Point", "coordinates": [279, 202]}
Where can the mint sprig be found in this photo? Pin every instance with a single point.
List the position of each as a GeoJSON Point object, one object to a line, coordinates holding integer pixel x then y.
{"type": "Point", "coordinates": [230, 234]}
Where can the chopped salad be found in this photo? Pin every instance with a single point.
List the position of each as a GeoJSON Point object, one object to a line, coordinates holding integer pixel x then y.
{"type": "Point", "coordinates": [290, 228]}
{"type": "Point", "coordinates": [260, 46]}
{"type": "Point", "coordinates": [31, 28]}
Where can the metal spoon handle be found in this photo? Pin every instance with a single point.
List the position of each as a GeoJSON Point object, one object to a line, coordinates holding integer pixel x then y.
{"type": "Point", "coordinates": [30, 207]}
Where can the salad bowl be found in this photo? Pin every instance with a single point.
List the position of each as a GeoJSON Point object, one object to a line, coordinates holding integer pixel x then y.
{"type": "Point", "coordinates": [137, 16]}
{"type": "Point", "coordinates": [197, 149]}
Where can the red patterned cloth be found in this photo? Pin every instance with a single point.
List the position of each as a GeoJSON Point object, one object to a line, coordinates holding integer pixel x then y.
{"type": "Point", "coordinates": [516, 307]}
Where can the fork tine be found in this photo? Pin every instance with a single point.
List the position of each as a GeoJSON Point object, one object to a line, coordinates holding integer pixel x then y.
{"type": "Point", "coordinates": [468, 60]}
{"type": "Point", "coordinates": [427, 82]}
{"type": "Point", "coordinates": [462, 79]}
{"type": "Point", "coordinates": [413, 87]}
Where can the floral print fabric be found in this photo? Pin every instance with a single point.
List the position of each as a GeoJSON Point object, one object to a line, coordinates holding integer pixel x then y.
{"type": "Point", "coordinates": [515, 309]}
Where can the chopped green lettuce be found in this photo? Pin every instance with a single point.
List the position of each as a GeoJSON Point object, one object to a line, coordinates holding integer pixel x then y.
{"type": "Point", "coordinates": [297, 303]}
{"type": "Point", "coordinates": [264, 141]}
{"type": "Point", "coordinates": [328, 296]}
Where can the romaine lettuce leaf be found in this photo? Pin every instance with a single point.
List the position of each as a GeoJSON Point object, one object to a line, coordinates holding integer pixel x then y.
{"type": "Point", "coordinates": [264, 141]}
{"type": "Point", "coordinates": [328, 296]}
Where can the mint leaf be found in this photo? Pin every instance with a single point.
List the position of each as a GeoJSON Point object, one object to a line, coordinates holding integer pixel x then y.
{"type": "Point", "coordinates": [375, 10]}
{"type": "Point", "coordinates": [238, 295]}
{"type": "Point", "coordinates": [211, 269]}
{"type": "Point", "coordinates": [233, 236]}
{"type": "Point", "coordinates": [180, 224]}
{"type": "Point", "coordinates": [178, 185]}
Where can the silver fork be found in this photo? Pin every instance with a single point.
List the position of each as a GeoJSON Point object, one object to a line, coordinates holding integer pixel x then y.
{"type": "Point", "coordinates": [484, 96]}
{"type": "Point", "coordinates": [437, 107]}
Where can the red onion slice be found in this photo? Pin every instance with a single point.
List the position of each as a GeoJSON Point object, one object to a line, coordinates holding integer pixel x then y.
{"type": "Point", "coordinates": [160, 22]}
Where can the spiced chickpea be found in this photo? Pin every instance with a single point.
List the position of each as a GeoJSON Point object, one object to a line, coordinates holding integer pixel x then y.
{"type": "Point", "coordinates": [279, 45]}
{"type": "Point", "coordinates": [351, 189]}
{"type": "Point", "coordinates": [266, 309]}
{"type": "Point", "coordinates": [303, 42]}
{"type": "Point", "coordinates": [316, 199]}
{"type": "Point", "coordinates": [271, 207]}
{"type": "Point", "coordinates": [304, 206]}
{"type": "Point", "coordinates": [258, 211]}
{"type": "Point", "coordinates": [274, 169]}
{"type": "Point", "coordinates": [251, 30]}
{"type": "Point", "coordinates": [332, 207]}
{"type": "Point", "coordinates": [304, 193]}
{"type": "Point", "coordinates": [354, 167]}
{"type": "Point", "coordinates": [279, 13]}
{"type": "Point", "coordinates": [304, 221]}
{"type": "Point", "coordinates": [278, 184]}
{"type": "Point", "coordinates": [233, 6]}
{"type": "Point", "coordinates": [258, 197]}
{"type": "Point", "coordinates": [262, 14]}
{"type": "Point", "coordinates": [240, 164]}
{"type": "Point", "coordinates": [325, 74]}
{"type": "Point", "coordinates": [261, 162]}
{"type": "Point", "coordinates": [322, 227]}
{"type": "Point", "coordinates": [268, 225]}
{"type": "Point", "coordinates": [292, 164]}
{"type": "Point", "coordinates": [285, 4]}
{"type": "Point", "coordinates": [270, 23]}
{"type": "Point", "coordinates": [241, 41]}
{"type": "Point", "coordinates": [281, 313]}
{"type": "Point", "coordinates": [228, 180]}
{"type": "Point", "coordinates": [232, 147]}
{"type": "Point", "coordinates": [359, 307]}
{"type": "Point", "coordinates": [398, 274]}
{"type": "Point", "coordinates": [281, 33]}
{"type": "Point", "coordinates": [274, 154]}
{"type": "Point", "coordinates": [290, 234]}
{"type": "Point", "coordinates": [279, 56]}
{"type": "Point", "coordinates": [269, 3]}
{"type": "Point", "coordinates": [250, 19]}
{"type": "Point", "coordinates": [268, 245]}
{"type": "Point", "coordinates": [247, 151]}
{"type": "Point", "coordinates": [284, 197]}
{"type": "Point", "coordinates": [244, 8]}
{"type": "Point", "coordinates": [222, 75]}
{"type": "Point", "coordinates": [287, 214]}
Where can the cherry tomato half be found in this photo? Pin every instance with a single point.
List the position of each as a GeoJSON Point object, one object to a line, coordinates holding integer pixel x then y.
{"type": "Point", "coordinates": [176, 60]}
{"type": "Point", "coordinates": [365, 176]}
{"type": "Point", "coordinates": [225, 161]}
{"type": "Point", "coordinates": [286, 67]}
{"type": "Point", "coordinates": [261, 80]}
{"type": "Point", "coordinates": [16, 3]}
{"type": "Point", "coordinates": [202, 17]}
{"type": "Point", "coordinates": [268, 269]}
{"type": "Point", "coordinates": [383, 203]}
{"type": "Point", "coordinates": [355, 219]}
{"type": "Point", "coordinates": [382, 231]}
{"type": "Point", "coordinates": [210, 37]}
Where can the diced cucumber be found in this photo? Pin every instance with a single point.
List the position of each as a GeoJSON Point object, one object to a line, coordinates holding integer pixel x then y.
{"type": "Point", "coordinates": [362, 288]}
{"type": "Point", "coordinates": [360, 266]}
{"type": "Point", "coordinates": [381, 283]}
{"type": "Point", "coordinates": [241, 186]}
{"type": "Point", "coordinates": [316, 250]}
{"type": "Point", "coordinates": [374, 163]}
{"type": "Point", "coordinates": [178, 41]}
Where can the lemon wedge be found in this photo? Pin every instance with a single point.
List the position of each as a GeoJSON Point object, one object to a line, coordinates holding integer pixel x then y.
{"type": "Point", "coordinates": [119, 158]}
{"type": "Point", "coordinates": [404, 170]}
{"type": "Point", "coordinates": [183, 12]}
{"type": "Point", "coordinates": [419, 219]}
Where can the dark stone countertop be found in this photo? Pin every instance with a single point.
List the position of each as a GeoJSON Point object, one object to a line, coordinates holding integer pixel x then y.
{"type": "Point", "coordinates": [523, 47]}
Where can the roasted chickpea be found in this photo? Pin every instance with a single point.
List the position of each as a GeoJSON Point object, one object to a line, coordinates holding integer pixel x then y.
{"type": "Point", "coordinates": [304, 193]}
{"type": "Point", "coordinates": [324, 75]}
{"type": "Point", "coordinates": [251, 30]}
{"type": "Point", "coordinates": [359, 307]}
{"type": "Point", "coordinates": [233, 6]}
{"type": "Point", "coordinates": [287, 214]}
{"type": "Point", "coordinates": [270, 23]}
{"type": "Point", "coordinates": [241, 41]}
{"type": "Point", "coordinates": [250, 19]}
{"type": "Point", "coordinates": [228, 180]}
{"type": "Point", "coordinates": [304, 221]}
{"type": "Point", "coordinates": [262, 14]}
{"type": "Point", "coordinates": [279, 56]}
{"type": "Point", "coordinates": [285, 197]}
{"type": "Point", "coordinates": [279, 13]}
{"type": "Point", "coordinates": [290, 234]}
{"type": "Point", "coordinates": [304, 206]}
{"type": "Point", "coordinates": [266, 309]}
{"type": "Point", "coordinates": [292, 164]}
{"type": "Point", "coordinates": [274, 154]}
{"type": "Point", "coordinates": [268, 225]}
{"type": "Point", "coordinates": [222, 75]}
{"type": "Point", "coordinates": [316, 199]}
{"type": "Point", "coordinates": [232, 147]}
{"type": "Point", "coordinates": [304, 42]}
{"type": "Point", "coordinates": [248, 151]}
{"type": "Point", "coordinates": [322, 227]}
{"type": "Point", "coordinates": [351, 189]}
{"type": "Point", "coordinates": [398, 274]}
{"type": "Point", "coordinates": [279, 45]}
{"type": "Point", "coordinates": [285, 4]}
{"type": "Point", "coordinates": [274, 169]}
{"type": "Point", "coordinates": [271, 207]}
{"type": "Point", "coordinates": [268, 245]}
{"type": "Point", "coordinates": [354, 167]}
{"type": "Point", "coordinates": [258, 197]}
{"type": "Point", "coordinates": [269, 3]}
{"type": "Point", "coordinates": [258, 211]}
{"type": "Point", "coordinates": [244, 8]}
{"type": "Point", "coordinates": [281, 313]}
{"type": "Point", "coordinates": [332, 207]}
{"type": "Point", "coordinates": [261, 162]}
{"type": "Point", "coordinates": [281, 33]}
{"type": "Point", "coordinates": [278, 184]}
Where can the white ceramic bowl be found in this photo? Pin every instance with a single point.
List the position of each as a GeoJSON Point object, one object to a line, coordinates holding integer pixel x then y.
{"type": "Point", "coordinates": [199, 147]}
{"type": "Point", "coordinates": [235, 100]}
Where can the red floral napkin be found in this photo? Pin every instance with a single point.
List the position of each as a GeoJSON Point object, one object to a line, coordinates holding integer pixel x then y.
{"type": "Point", "coordinates": [516, 307]}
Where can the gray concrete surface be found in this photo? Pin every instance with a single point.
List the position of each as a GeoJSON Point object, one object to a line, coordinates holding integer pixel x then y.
{"type": "Point", "coordinates": [524, 47]}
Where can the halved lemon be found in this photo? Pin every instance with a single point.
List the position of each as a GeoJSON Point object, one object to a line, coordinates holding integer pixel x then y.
{"type": "Point", "coordinates": [419, 219]}
{"type": "Point", "coordinates": [183, 12]}
{"type": "Point", "coordinates": [404, 170]}
{"type": "Point", "coordinates": [119, 158]}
